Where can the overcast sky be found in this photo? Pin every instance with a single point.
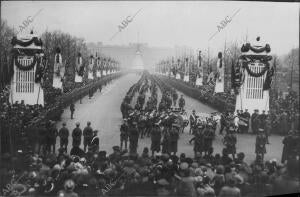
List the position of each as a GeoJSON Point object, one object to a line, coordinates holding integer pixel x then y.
{"type": "Point", "coordinates": [163, 23]}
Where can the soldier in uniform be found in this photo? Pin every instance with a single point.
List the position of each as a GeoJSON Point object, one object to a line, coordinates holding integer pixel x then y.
{"type": "Point", "coordinates": [230, 142]}
{"type": "Point", "coordinates": [175, 97]}
{"type": "Point", "coordinates": [260, 144]}
{"type": "Point", "coordinates": [133, 137]}
{"type": "Point", "coordinates": [247, 117]}
{"type": "Point", "coordinates": [124, 134]}
{"type": "Point", "coordinates": [87, 135]}
{"type": "Point", "coordinates": [76, 134]}
{"type": "Point", "coordinates": [193, 121]}
{"type": "Point", "coordinates": [155, 138]}
{"type": "Point", "coordinates": [181, 103]}
{"type": "Point", "coordinates": [72, 109]}
{"type": "Point", "coordinates": [254, 121]}
{"type": "Point", "coordinates": [208, 137]}
{"type": "Point", "coordinates": [165, 141]}
{"type": "Point", "coordinates": [51, 136]}
{"type": "Point", "coordinates": [64, 134]}
{"type": "Point", "coordinates": [173, 141]}
{"type": "Point", "coordinates": [198, 146]}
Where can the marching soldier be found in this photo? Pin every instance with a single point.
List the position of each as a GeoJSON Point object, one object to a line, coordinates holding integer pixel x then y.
{"type": "Point", "coordinates": [76, 134]}
{"type": "Point", "coordinates": [155, 138]}
{"type": "Point", "coordinates": [173, 141]}
{"type": "Point", "coordinates": [64, 134]}
{"type": "Point", "coordinates": [133, 137]}
{"type": "Point", "coordinates": [88, 135]}
{"type": "Point", "coordinates": [72, 109]}
{"type": "Point", "coordinates": [260, 144]}
{"type": "Point", "coordinates": [193, 121]}
{"type": "Point", "coordinates": [230, 142]}
{"type": "Point", "coordinates": [124, 134]}
{"type": "Point", "coordinates": [208, 137]}
{"type": "Point", "coordinates": [181, 103]}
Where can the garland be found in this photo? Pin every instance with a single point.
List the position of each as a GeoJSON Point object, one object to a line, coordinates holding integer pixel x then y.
{"type": "Point", "coordinates": [247, 47]}
{"type": "Point", "coordinates": [253, 74]}
{"type": "Point", "coordinates": [35, 40]}
{"type": "Point", "coordinates": [21, 67]}
{"type": "Point", "coordinates": [27, 52]}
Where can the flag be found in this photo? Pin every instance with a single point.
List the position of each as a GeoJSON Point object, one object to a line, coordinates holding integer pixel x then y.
{"type": "Point", "coordinates": [219, 87]}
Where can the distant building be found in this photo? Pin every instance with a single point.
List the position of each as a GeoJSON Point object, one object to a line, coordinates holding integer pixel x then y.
{"type": "Point", "coordinates": [126, 54]}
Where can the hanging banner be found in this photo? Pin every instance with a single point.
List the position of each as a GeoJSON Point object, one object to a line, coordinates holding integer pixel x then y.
{"type": "Point", "coordinates": [79, 69]}
{"type": "Point", "coordinates": [199, 78]}
{"type": "Point", "coordinates": [59, 70]}
{"type": "Point", "coordinates": [90, 68]}
{"type": "Point", "coordinates": [186, 77]}
{"type": "Point", "coordinates": [219, 87]}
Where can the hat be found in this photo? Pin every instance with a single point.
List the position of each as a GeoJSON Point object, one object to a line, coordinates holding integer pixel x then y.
{"type": "Point", "coordinates": [116, 148]}
{"type": "Point", "coordinates": [162, 182]}
{"type": "Point", "coordinates": [69, 185]}
{"type": "Point", "coordinates": [77, 123]}
{"type": "Point", "coordinates": [64, 123]}
{"type": "Point", "coordinates": [88, 123]}
{"type": "Point", "coordinates": [184, 166]}
{"type": "Point", "coordinates": [193, 110]}
{"type": "Point", "coordinates": [175, 125]}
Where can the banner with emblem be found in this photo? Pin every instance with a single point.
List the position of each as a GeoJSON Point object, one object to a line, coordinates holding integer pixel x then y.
{"type": "Point", "coordinates": [219, 87]}
{"type": "Point", "coordinates": [91, 67]}
{"type": "Point", "coordinates": [186, 71]}
{"type": "Point", "coordinates": [79, 69]}
{"type": "Point", "coordinates": [199, 78]}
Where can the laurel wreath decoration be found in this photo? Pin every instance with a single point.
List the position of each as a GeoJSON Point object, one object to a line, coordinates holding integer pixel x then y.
{"type": "Point", "coordinates": [25, 68]}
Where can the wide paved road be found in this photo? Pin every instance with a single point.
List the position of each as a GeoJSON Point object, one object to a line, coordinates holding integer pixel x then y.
{"type": "Point", "coordinates": [103, 111]}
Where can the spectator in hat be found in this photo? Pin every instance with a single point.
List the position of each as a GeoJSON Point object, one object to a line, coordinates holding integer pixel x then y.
{"type": "Point", "coordinates": [68, 190]}
{"type": "Point", "coordinates": [64, 135]}
{"type": "Point", "coordinates": [230, 189]}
